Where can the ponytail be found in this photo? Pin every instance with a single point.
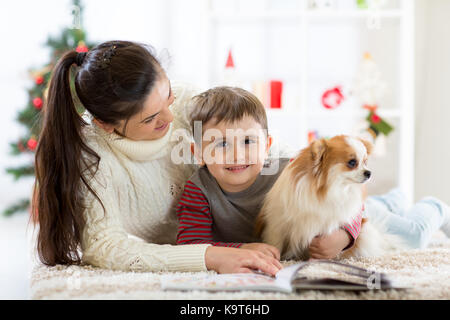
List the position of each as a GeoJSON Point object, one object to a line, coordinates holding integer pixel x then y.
{"type": "Point", "coordinates": [61, 158]}
{"type": "Point", "coordinates": [113, 82]}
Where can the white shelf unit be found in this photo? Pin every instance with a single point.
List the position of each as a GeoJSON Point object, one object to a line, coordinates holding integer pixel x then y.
{"type": "Point", "coordinates": [299, 115]}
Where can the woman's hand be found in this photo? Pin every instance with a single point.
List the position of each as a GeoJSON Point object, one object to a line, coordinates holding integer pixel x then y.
{"type": "Point", "coordinates": [238, 260]}
{"type": "Point", "coordinates": [267, 249]}
{"type": "Point", "coordinates": [329, 246]}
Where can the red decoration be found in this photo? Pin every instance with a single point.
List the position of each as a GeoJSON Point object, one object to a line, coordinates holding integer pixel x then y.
{"type": "Point", "coordinates": [32, 144]}
{"type": "Point", "coordinates": [39, 80]}
{"type": "Point", "coordinates": [332, 98]}
{"type": "Point", "coordinates": [376, 118]}
{"type": "Point", "coordinates": [276, 89]}
{"type": "Point", "coordinates": [230, 62]}
{"type": "Point", "coordinates": [81, 47]}
{"type": "Point", "coordinates": [37, 102]}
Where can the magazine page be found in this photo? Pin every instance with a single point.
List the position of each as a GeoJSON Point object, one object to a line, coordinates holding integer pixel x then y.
{"type": "Point", "coordinates": [317, 274]}
{"type": "Point", "coordinates": [232, 282]}
{"type": "Point", "coordinates": [333, 275]}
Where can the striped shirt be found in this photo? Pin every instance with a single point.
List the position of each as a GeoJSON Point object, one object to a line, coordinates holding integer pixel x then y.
{"type": "Point", "coordinates": [195, 219]}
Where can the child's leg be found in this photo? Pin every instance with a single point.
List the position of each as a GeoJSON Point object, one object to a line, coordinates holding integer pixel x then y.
{"type": "Point", "coordinates": [394, 201]}
{"type": "Point", "coordinates": [415, 226]}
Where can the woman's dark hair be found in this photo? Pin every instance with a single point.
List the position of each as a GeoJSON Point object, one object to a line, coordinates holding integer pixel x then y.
{"type": "Point", "coordinates": [112, 82]}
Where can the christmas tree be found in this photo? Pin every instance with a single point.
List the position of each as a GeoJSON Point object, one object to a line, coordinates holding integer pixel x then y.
{"type": "Point", "coordinates": [73, 37]}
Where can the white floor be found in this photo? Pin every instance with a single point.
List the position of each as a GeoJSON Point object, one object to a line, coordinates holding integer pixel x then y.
{"type": "Point", "coordinates": [15, 262]}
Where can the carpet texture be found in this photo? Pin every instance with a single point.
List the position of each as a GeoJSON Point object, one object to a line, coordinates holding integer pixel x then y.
{"type": "Point", "coordinates": [425, 271]}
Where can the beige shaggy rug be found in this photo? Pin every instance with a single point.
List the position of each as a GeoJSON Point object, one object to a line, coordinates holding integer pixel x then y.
{"type": "Point", "coordinates": [426, 272]}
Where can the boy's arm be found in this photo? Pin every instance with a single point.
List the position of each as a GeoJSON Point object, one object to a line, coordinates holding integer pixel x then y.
{"type": "Point", "coordinates": [195, 220]}
{"type": "Point", "coordinates": [353, 229]}
{"type": "Point", "coordinates": [329, 246]}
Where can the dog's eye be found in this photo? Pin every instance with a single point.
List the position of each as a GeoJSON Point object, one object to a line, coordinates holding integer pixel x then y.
{"type": "Point", "coordinates": [351, 163]}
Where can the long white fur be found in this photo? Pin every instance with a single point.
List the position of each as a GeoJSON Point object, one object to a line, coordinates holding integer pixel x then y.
{"type": "Point", "coordinates": [294, 215]}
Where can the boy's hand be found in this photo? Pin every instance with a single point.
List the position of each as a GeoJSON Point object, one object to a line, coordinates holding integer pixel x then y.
{"type": "Point", "coordinates": [329, 246]}
{"type": "Point", "coordinates": [267, 249]}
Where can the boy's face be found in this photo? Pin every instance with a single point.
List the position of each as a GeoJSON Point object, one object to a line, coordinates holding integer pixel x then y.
{"type": "Point", "coordinates": [234, 152]}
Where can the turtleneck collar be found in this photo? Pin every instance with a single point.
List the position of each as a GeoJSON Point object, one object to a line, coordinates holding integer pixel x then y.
{"type": "Point", "coordinates": [144, 150]}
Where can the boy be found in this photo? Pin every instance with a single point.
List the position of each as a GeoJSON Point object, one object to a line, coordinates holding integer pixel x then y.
{"type": "Point", "coordinates": [221, 200]}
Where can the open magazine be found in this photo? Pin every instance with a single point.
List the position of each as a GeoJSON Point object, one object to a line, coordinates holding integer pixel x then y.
{"type": "Point", "coordinates": [316, 274]}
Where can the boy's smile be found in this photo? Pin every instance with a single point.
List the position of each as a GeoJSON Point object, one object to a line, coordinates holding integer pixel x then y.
{"type": "Point", "coordinates": [234, 153]}
{"type": "Point", "coordinates": [237, 169]}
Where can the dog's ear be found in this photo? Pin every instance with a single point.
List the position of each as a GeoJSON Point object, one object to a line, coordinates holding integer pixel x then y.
{"type": "Point", "coordinates": [368, 145]}
{"type": "Point", "coordinates": [318, 149]}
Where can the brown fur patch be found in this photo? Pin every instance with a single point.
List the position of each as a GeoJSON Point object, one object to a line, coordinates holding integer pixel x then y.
{"type": "Point", "coordinates": [317, 159]}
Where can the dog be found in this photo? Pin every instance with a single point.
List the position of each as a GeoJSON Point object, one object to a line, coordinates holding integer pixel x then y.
{"type": "Point", "coordinates": [319, 191]}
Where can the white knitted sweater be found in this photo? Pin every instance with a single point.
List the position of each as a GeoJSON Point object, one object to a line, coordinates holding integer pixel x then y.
{"type": "Point", "coordinates": [139, 187]}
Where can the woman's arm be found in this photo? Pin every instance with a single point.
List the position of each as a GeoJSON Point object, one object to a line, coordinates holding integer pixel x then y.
{"type": "Point", "coordinates": [106, 244]}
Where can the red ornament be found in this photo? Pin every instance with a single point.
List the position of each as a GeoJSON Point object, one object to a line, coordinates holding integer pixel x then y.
{"type": "Point", "coordinates": [37, 102]}
{"type": "Point", "coordinates": [39, 80]}
{"type": "Point", "coordinates": [375, 118]}
{"type": "Point", "coordinates": [32, 144]}
{"type": "Point", "coordinates": [81, 48]}
{"type": "Point", "coordinates": [332, 98]}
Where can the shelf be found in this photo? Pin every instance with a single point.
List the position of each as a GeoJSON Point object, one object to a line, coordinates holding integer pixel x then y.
{"type": "Point", "coordinates": [384, 113]}
{"type": "Point", "coordinates": [282, 113]}
{"type": "Point", "coordinates": [242, 17]}
{"type": "Point", "coordinates": [310, 14]}
{"type": "Point", "coordinates": [359, 113]}
{"type": "Point", "coordinates": [354, 14]}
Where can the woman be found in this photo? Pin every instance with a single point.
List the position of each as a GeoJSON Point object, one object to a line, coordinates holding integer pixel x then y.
{"type": "Point", "coordinates": [98, 183]}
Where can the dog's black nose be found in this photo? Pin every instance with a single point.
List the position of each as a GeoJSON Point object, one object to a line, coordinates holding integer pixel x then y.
{"type": "Point", "coordinates": [367, 174]}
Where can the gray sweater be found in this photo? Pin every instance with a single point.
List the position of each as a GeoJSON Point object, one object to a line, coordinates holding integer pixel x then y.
{"type": "Point", "coordinates": [234, 213]}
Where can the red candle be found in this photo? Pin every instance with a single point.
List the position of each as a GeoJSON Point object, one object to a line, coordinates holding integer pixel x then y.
{"type": "Point", "coordinates": [276, 89]}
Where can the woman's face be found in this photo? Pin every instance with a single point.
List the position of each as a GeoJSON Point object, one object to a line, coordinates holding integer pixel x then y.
{"type": "Point", "coordinates": [153, 121]}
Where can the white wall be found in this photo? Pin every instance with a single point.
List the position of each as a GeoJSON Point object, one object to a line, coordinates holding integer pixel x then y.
{"type": "Point", "coordinates": [432, 99]}
{"type": "Point", "coordinates": [25, 26]}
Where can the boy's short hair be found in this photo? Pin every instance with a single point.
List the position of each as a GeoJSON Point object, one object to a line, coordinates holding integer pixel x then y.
{"type": "Point", "coordinates": [227, 104]}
